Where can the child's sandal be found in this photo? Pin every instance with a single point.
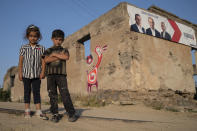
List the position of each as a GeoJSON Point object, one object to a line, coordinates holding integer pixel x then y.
{"type": "Point", "coordinates": [43, 116]}
{"type": "Point", "coordinates": [27, 115]}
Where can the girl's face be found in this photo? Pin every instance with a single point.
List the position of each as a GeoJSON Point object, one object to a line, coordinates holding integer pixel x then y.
{"type": "Point", "coordinates": [33, 37]}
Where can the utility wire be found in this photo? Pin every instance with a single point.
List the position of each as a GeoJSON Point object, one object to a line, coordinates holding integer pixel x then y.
{"type": "Point", "coordinates": [84, 9]}
{"type": "Point", "coordinates": [88, 7]}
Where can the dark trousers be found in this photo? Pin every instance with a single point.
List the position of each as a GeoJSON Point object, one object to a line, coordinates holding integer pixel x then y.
{"type": "Point", "coordinates": [32, 84]}
{"type": "Point", "coordinates": [61, 81]}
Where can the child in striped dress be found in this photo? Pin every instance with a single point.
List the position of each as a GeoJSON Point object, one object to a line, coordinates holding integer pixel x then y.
{"type": "Point", "coordinates": [31, 70]}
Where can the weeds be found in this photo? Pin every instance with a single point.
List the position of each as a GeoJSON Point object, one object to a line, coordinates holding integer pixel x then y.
{"type": "Point", "coordinates": [172, 109]}
{"type": "Point", "coordinates": [5, 95]}
{"type": "Point", "coordinates": [91, 100]}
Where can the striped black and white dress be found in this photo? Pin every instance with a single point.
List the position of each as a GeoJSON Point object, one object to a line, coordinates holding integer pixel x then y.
{"type": "Point", "coordinates": [32, 63]}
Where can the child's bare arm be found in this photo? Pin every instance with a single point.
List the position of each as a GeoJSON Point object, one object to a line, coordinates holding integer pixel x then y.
{"type": "Point", "coordinates": [62, 56]}
{"type": "Point", "coordinates": [20, 68]}
{"type": "Point", "coordinates": [42, 75]}
{"type": "Point", "coordinates": [49, 59]}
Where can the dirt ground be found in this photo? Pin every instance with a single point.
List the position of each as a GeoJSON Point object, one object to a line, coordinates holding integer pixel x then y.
{"type": "Point", "coordinates": [108, 118]}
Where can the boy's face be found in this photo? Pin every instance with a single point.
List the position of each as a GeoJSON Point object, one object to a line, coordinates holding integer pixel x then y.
{"type": "Point", "coordinates": [57, 41]}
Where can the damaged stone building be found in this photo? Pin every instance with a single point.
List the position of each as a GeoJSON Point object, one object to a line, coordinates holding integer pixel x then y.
{"type": "Point", "coordinates": [122, 59]}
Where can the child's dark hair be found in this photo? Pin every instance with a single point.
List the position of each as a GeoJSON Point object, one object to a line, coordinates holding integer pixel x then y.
{"type": "Point", "coordinates": [33, 28]}
{"type": "Point", "coordinates": [58, 33]}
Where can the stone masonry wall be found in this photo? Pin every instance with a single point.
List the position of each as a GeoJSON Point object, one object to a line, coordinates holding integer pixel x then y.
{"type": "Point", "coordinates": [132, 60]}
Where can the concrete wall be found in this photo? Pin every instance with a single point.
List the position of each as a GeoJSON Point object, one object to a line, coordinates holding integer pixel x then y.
{"type": "Point", "coordinates": [132, 60]}
{"type": "Point", "coordinates": [9, 78]}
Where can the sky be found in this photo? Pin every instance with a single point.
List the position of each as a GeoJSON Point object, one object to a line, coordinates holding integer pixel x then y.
{"type": "Point", "coordinates": [68, 15]}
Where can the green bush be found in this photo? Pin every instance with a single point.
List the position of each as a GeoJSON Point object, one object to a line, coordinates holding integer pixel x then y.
{"type": "Point", "coordinates": [5, 95]}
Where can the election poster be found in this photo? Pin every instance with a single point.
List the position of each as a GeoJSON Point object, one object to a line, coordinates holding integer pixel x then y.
{"type": "Point", "coordinates": [158, 26]}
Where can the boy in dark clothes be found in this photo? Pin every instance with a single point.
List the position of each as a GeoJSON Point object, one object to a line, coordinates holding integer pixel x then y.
{"type": "Point", "coordinates": [55, 59]}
